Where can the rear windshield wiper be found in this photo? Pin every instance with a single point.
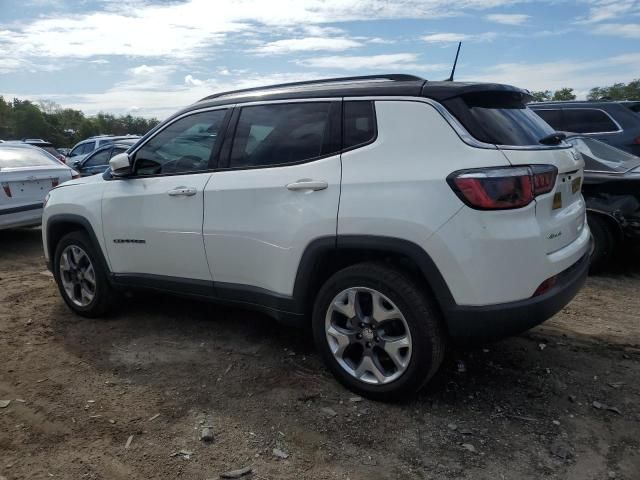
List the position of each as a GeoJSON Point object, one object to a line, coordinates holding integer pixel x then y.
{"type": "Point", "coordinates": [553, 139]}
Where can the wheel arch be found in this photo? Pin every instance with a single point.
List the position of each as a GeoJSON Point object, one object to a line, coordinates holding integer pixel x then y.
{"type": "Point", "coordinates": [325, 256]}
{"type": "Point", "coordinates": [59, 225]}
{"type": "Point", "coordinates": [611, 221]}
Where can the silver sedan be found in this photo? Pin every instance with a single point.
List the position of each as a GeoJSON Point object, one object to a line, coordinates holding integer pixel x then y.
{"type": "Point", "coordinates": [26, 175]}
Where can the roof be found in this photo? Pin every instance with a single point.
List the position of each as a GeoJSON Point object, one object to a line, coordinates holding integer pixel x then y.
{"type": "Point", "coordinates": [21, 145]}
{"type": "Point", "coordinates": [582, 103]}
{"type": "Point", "coordinates": [124, 142]}
{"type": "Point", "coordinates": [28, 142]}
{"type": "Point", "coordinates": [362, 86]}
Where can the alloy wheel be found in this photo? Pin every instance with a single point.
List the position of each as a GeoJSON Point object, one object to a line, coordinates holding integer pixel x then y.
{"type": "Point", "coordinates": [77, 275]}
{"type": "Point", "coordinates": [368, 335]}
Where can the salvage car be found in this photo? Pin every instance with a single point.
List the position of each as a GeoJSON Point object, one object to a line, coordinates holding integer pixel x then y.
{"type": "Point", "coordinates": [388, 214]}
{"type": "Point", "coordinates": [611, 191]}
{"type": "Point", "coordinates": [27, 174]}
{"type": "Point", "coordinates": [616, 123]}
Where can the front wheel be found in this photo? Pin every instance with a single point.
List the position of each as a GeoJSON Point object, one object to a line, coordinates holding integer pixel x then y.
{"type": "Point", "coordinates": [81, 278]}
{"type": "Point", "coordinates": [377, 331]}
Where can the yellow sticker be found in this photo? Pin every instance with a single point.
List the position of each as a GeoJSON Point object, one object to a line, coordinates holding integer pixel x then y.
{"type": "Point", "coordinates": [557, 201]}
{"type": "Point", "coordinates": [576, 184]}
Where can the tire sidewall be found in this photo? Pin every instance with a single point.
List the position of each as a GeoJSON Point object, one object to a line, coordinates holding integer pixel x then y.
{"type": "Point", "coordinates": [422, 351]}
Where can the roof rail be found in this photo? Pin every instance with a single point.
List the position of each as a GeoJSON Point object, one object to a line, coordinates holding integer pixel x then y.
{"type": "Point", "coordinates": [395, 77]}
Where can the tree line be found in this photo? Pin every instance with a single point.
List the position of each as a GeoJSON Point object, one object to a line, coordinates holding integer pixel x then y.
{"type": "Point", "coordinates": [617, 91]}
{"type": "Point", "coordinates": [63, 127]}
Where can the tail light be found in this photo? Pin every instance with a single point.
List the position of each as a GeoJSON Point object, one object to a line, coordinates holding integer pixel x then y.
{"type": "Point", "coordinates": [74, 175]}
{"type": "Point", "coordinates": [7, 189]}
{"type": "Point", "coordinates": [636, 140]}
{"type": "Point", "coordinates": [61, 158]}
{"type": "Point", "coordinates": [502, 188]}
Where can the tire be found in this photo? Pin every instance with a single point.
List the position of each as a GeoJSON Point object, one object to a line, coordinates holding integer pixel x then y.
{"type": "Point", "coordinates": [395, 292]}
{"type": "Point", "coordinates": [104, 298]}
{"type": "Point", "coordinates": [604, 243]}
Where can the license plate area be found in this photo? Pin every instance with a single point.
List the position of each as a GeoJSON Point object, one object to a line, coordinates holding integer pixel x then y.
{"type": "Point", "coordinates": [30, 188]}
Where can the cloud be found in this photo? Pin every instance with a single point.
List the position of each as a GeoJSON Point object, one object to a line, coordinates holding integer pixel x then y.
{"type": "Point", "coordinates": [390, 62]}
{"type": "Point", "coordinates": [147, 77]}
{"type": "Point", "coordinates": [183, 30]}
{"type": "Point", "coordinates": [581, 76]}
{"type": "Point", "coordinates": [308, 44]}
{"type": "Point", "coordinates": [458, 37]}
{"type": "Point", "coordinates": [627, 30]}
{"type": "Point", "coordinates": [162, 100]}
{"type": "Point", "coordinates": [508, 18]}
{"type": "Point", "coordinates": [190, 80]}
{"type": "Point", "coordinates": [602, 10]}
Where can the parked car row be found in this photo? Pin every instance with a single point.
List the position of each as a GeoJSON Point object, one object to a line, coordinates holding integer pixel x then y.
{"type": "Point", "coordinates": [98, 160]}
{"type": "Point", "coordinates": [82, 149]}
{"type": "Point", "coordinates": [607, 135]}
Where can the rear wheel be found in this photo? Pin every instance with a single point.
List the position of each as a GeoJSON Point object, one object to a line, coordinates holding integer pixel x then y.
{"type": "Point", "coordinates": [81, 279]}
{"type": "Point", "coordinates": [377, 331]}
{"type": "Point", "coordinates": [604, 243]}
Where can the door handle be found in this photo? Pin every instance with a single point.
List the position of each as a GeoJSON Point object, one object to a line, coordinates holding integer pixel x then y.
{"type": "Point", "coordinates": [306, 184]}
{"type": "Point", "coordinates": [182, 192]}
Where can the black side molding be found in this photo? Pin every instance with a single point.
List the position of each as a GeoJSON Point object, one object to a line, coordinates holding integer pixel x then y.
{"type": "Point", "coordinates": [22, 208]}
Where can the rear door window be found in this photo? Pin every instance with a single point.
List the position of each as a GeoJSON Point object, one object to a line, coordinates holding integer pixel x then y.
{"type": "Point", "coordinates": [501, 118]}
{"type": "Point", "coordinates": [587, 120]}
{"type": "Point", "coordinates": [280, 134]}
{"type": "Point", "coordinates": [359, 124]}
{"type": "Point", "coordinates": [552, 116]}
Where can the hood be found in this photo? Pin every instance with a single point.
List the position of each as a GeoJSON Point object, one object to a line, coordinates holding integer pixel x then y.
{"type": "Point", "coordinates": [82, 181]}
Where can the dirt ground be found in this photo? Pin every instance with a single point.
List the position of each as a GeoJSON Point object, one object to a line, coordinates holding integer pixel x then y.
{"type": "Point", "coordinates": [160, 370]}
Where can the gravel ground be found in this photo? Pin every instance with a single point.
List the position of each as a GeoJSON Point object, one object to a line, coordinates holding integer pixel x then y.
{"type": "Point", "coordinates": [127, 397]}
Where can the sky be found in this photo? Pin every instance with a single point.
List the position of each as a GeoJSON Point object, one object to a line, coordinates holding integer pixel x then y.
{"type": "Point", "coordinates": [153, 57]}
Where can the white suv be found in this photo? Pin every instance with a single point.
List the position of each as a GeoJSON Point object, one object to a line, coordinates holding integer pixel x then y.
{"type": "Point", "coordinates": [391, 214]}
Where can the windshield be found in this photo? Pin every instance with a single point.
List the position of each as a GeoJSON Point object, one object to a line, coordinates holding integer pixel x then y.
{"type": "Point", "coordinates": [500, 118]}
{"type": "Point", "coordinates": [24, 157]}
{"type": "Point", "coordinates": [598, 156]}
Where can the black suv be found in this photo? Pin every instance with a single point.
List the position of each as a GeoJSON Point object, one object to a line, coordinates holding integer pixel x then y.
{"type": "Point", "coordinates": [616, 123]}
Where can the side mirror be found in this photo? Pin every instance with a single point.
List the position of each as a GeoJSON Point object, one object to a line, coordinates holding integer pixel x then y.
{"type": "Point", "coordinates": [76, 164]}
{"type": "Point", "coordinates": [120, 165]}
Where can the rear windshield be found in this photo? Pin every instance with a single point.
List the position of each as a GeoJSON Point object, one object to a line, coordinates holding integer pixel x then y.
{"type": "Point", "coordinates": [501, 118]}
{"type": "Point", "coordinates": [600, 157]}
{"type": "Point", "coordinates": [50, 150]}
{"type": "Point", "coordinates": [24, 157]}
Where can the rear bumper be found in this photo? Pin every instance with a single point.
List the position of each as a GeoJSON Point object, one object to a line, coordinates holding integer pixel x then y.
{"type": "Point", "coordinates": [492, 322]}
